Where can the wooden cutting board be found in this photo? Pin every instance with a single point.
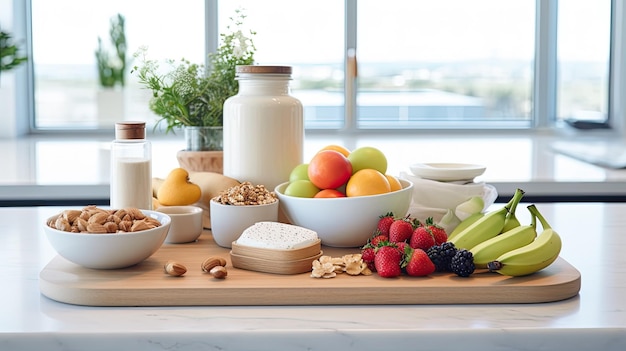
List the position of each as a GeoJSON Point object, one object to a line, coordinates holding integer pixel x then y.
{"type": "Point", "coordinates": [146, 284]}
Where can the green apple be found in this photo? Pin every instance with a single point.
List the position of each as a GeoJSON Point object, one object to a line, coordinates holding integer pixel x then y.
{"type": "Point", "coordinates": [368, 157]}
{"type": "Point", "coordinates": [301, 188]}
{"type": "Point", "coordinates": [299, 172]}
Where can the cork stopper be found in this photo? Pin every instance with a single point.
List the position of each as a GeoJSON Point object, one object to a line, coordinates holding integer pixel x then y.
{"type": "Point", "coordinates": [264, 69]}
{"type": "Point", "coordinates": [130, 130]}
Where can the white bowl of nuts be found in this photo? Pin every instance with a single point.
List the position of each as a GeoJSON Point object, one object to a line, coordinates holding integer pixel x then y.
{"type": "Point", "coordinates": [99, 238]}
{"type": "Point", "coordinates": [344, 221]}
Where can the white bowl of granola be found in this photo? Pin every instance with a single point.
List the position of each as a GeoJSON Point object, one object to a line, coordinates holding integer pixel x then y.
{"type": "Point", "coordinates": [137, 237]}
{"type": "Point", "coordinates": [239, 207]}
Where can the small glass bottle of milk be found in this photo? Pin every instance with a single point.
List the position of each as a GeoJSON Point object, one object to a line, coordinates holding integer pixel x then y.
{"type": "Point", "coordinates": [131, 167]}
{"type": "Point", "coordinates": [263, 127]}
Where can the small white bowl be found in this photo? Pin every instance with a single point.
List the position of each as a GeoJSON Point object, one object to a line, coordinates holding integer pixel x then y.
{"type": "Point", "coordinates": [109, 251]}
{"type": "Point", "coordinates": [186, 224]}
{"type": "Point", "coordinates": [447, 172]}
{"type": "Point", "coordinates": [344, 221]}
{"type": "Point", "coordinates": [229, 221]}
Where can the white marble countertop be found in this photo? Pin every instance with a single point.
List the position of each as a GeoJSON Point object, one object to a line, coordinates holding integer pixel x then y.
{"type": "Point", "coordinates": [593, 242]}
{"type": "Point", "coordinates": [76, 167]}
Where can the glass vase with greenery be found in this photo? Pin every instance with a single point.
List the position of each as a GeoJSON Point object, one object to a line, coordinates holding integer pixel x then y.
{"type": "Point", "coordinates": [191, 94]}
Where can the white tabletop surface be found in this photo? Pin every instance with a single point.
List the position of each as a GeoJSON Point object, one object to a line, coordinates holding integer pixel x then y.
{"type": "Point", "coordinates": [594, 242]}
{"type": "Point", "coordinates": [76, 167]}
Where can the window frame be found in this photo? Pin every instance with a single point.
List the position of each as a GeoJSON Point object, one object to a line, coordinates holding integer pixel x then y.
{"type": "Point", "coordinates": [544, 111]}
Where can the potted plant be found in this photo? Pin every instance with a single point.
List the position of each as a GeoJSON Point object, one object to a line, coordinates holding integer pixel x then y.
{"type": "Point", "coordinates": [191, 96]}
{"type": "Point", "coordinates": [10, 57]}
{"type": "Point", "coordinates": [111, 72]}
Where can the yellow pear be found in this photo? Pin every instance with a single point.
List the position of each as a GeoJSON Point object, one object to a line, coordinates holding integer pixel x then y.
{"type": "Point", "coordinates": [177, 190]}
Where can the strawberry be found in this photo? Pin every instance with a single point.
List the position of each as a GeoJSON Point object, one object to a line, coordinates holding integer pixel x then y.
{"type": "Point", "coordinates": [387, 261]}
{"type": "Point", "coordinates": [422, 238]}
{"type": "Point", "coordinates": [384, 222]}
{"type": "Point", "coordinates": [377, 240]}
{"type": "Point", "coordinates": [367, 254]}
{"type": "Point", "coordinates": [417, 263]}
{"type": "Point", "coordinates": [402, 245]}
{"type": "Point", "coordinates": [438, 232]}
{"type": "Point", "coordinates": [400, 230]}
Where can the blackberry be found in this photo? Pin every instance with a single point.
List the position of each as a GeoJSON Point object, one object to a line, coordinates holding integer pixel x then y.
{"type": "Point", "coordinates": [463, 263]}
{"type": "Point", "coordinates": [441, 255]}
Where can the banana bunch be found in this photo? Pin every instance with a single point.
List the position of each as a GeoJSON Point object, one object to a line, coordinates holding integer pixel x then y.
{"type": "Point", "coordinates": [511, 239]}
{"type": "Point", "coordinates": [533, 257]}
{"type": "Point", "coordinates": [481, 227]}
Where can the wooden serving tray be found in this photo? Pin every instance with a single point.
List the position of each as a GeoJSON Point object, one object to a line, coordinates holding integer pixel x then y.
{"type": "Point", "coordinates": [146, 284]}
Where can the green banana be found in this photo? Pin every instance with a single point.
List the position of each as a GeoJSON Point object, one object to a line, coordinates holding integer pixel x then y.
{"type": "Point", "coordinates": [539, 254]}
{"type": "Point", "coordinates": [465, 223]}
{"type": "Point", "coordinates": [511, 220]}
{"type": "Point", "coordinates": [491, 249]}
{"type": "Point", "coordinates": [486, 227]}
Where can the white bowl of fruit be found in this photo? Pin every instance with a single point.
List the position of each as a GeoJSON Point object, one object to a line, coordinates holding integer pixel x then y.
{"type": "Point", "coordinates": [341, 194]}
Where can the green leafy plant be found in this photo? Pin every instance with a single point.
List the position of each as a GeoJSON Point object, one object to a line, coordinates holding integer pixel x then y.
{"type": "Point", "coordinates": [190, 94]}
{"type": "Point", "coordinates": [10, 56]}
{"type": "Point", "coordinates": [111, 68]}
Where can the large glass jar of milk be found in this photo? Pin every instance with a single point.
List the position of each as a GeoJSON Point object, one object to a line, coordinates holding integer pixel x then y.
{"type": "Point", "coordinates": [131, 167]}
{"type": "Point", "coordinates": [263, 127]}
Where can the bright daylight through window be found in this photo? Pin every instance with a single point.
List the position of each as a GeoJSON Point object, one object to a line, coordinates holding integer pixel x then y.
{"type": "Point", "coordinates": [419, 64]}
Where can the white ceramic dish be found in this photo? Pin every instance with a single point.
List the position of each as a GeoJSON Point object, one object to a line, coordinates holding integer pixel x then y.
{"type": "Point", "coordinates": [109, 251]}
{"type": "Point", "coordinates": [346, 221]}
{"type": "Point", "coordinates": [186, 224]}
{"type": "Point", "coordinates": [447, 172]}
{"type": "Point", "coordinates": [229, 221]}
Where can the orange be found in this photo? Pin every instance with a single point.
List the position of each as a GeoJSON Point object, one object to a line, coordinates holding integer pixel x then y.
{"type": "Point", "coordinates": [367, 182]}
{"type": "Point", "coordinates": [341, 149]}
{"type": "Point", "coordinates": [393, 182]}
{"type": "Point", "coordinates": [329, 193]}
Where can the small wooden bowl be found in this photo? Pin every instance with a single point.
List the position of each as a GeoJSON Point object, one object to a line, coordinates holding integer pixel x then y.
{"type": "Point", "coordinates": [277, 254]}
{"type": "Point", "coordinates": [270, 265]}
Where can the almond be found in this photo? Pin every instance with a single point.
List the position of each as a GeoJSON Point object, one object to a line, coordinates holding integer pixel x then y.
{"type": "Point", "coordinates": [174, 268]}
{"type": "Point", "coordinates": [211, 262]}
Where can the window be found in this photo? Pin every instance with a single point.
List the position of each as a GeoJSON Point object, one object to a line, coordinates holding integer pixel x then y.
{"type": "Point", "coordinates": [67, 93]}
{"type": "Point", "coordinates": [309, 37]}
{"type": "Point", "coordinates": [584, 33]}
{"type": "Point", "coordinates": [419, 64]}
{"type": "Point", "coordinates": [444, 61]}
